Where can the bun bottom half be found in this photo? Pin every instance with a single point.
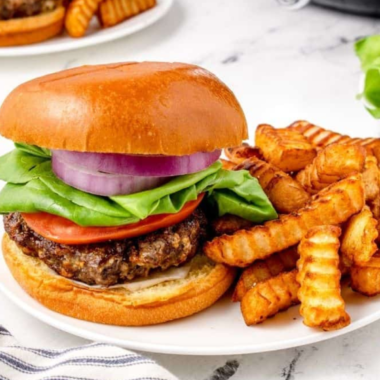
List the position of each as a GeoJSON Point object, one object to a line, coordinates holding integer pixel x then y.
{"type": "Point", "coordinates": [204, 285]}
{"type": "Point", "coordinates": [30, 30]}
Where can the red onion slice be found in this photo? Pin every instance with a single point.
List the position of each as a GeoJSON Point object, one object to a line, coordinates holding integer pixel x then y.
{"type": "Point", "coordinates": [102, 183]}
{"type": "Point", "coordinates": [135, 165]}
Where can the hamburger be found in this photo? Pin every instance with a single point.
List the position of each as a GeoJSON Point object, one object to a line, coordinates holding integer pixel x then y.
{"type": "Point", "coordinates": [112, 185]}
{"type": "Point", "coordinates": [28, 21]}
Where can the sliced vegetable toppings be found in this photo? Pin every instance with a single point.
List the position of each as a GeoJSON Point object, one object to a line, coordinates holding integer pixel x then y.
{"type": "Point", "coordinates": [100, 183]}
{"type": "Point", "coordinates": [64, 231]}
{"type": "Point", "coordinates": [33, 187]}
{"type": "Point", "coordinates": [139, 165]}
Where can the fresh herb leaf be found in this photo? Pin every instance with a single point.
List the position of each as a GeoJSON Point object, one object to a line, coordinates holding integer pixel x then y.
{"type": "Point", "coordinates": [368, 51]}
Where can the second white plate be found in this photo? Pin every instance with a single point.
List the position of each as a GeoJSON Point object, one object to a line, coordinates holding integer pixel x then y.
{"type": "Point", "coordinates": [95, 35]}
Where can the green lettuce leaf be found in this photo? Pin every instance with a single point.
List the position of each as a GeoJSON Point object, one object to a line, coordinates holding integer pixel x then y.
{"type": "Point", "coordinates": [35, 196]}
{"type": "Point", "coordinates": [34, 150]}
{"type": "Point", "coordinates": [21, 167]}
{"type": "Point", "coordinates": [368, 51]}
{"type": "Point", "coordinates": [33, 187]}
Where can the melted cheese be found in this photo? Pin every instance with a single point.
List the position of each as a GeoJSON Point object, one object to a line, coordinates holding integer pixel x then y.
{"type": "Point", "coordinates": [143, 283]}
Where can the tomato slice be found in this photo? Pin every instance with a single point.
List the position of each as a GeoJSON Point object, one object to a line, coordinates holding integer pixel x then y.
{"type": "Point", "coordinates": [65, 231]}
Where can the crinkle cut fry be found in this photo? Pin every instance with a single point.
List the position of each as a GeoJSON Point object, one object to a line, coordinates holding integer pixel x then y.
{"type": "Point", "coordinates": [239, 154]}
{"type": "Point", "coordinates": [319, 277]}
{"type": "Point", "coordinates": [371, 179]}
{"type": "Point", "coordinates": [229, 224]}
{"type": "Point", "coordinates": [285, 193]}
{"type": "Point", "coordinates": [262, 270]}
{"type": "Point", "coordinates": [320, 137]}
{"type": "Point", "coordinates": [359, 238]}
{"type": "Point", "coordinates": [269, 297]}
{"type": "Point", "coordinates": [333, 205]}
{"type": "Point", "coordinates": [286, 149]}
{"type": "Point", "coordinates": [374, 206]}
{"type": "Point", "coordinates": [332, 164]}
{"type": "Point", "coordinates": [78, 16]}
{"type": "Point", "coordinates": [112, 12]}
{"type": "Point", "coordinates": [227, 165]}
{"type": "Point", "coordinates": [365, 278]}
{"type": "Point", "coordinates": [329, 167]}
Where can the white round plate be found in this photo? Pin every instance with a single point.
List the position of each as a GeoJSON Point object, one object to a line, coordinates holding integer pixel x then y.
{"type": "Point", "coordinates": [219, 330]}
{"type": "Point", "coordinates": [95, 35]}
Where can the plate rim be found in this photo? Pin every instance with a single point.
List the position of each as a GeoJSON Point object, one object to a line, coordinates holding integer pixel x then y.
{"type": "Point", "coordinates": [156, 13]}
{"type": "Point", "coordinates": [168, 349]}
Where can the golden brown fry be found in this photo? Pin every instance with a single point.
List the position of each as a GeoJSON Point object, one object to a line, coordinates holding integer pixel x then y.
{"type": "Point", "coordinates": [318, 274]}
{"type": "Point", "coordinates": [269, 297]}
{"type": "Point", "coordinates": [374, 206]}
{"type": "Point", "coordinates": [112, 12]}
{"type": "Point", "coordinates": [333, 205]}
{"type": "Point", "coordinates": [227, 165]}
{"type": "Point", "coordinates": [285, 193]}
{"type": "Point", "coordinates": [365, 278]}
{"type": "Point", "coordinates": [79, 15]}
{"type": "Point", "coordinates": [288, 150]}
{"type": "Point", "coordinates": [332, 164]}
{"type": "Point", "coordinates": [320, 137]}
{"type": "Point", "coordinates": [358, 241]}
{"type": "Point", "coordinates": [262, 270]}
{"type": "Point", "coordinates": [241, 153]}
{"type": "Point", "coordinates": [371, 179]}
{"type": "Point", "coordinates": [376, 152]}
{"type": "Point", "coordinates": [344, 269]}
{"type": "Point", "coordinates": [228, 224]}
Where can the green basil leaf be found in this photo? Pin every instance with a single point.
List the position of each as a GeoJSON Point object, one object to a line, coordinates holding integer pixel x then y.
{"type": "Point", "coordinates": [368, 51]}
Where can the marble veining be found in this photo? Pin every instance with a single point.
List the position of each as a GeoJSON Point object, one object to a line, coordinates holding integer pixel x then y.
{"type": "Point", "coordinates": [288, 372]}
{"type": "Point", "coordinates": [226, 371]}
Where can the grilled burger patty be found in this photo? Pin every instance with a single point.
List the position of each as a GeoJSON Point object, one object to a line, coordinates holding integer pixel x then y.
{"type": "Point", "coordinates": [115, 261]}
{"type": "Point", "coordinates": [25, 8]}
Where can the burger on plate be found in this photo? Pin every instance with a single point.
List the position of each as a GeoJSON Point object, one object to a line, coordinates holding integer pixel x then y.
{"type": "Point", "coordinates": [112, 184]}
{"type": "Point", "coordinates": [28, 21]}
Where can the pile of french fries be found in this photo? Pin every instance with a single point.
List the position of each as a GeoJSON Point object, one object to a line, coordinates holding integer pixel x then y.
{"type": "Point", "coordinates": [109, 13]}
{"type": "Point", "coordinates": [326, 188]}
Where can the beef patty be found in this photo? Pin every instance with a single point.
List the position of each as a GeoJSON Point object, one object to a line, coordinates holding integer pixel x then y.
{"type": "Point", "coordinates": [114, 261]}
{"type": "Point", "coordinates": [25, 8]}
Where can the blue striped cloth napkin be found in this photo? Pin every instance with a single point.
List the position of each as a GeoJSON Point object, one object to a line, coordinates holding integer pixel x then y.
{"type": "Point", "coordinates": [95, 361]}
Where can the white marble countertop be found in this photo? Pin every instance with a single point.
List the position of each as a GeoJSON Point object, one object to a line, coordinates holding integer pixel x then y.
{"type": "Point", "coordinates": [282, 66]}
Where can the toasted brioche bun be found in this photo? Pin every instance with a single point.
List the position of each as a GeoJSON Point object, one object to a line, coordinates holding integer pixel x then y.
{"type": "Point", "coordinates": [29, 30]}
{"type": "Point", "coordinates": [130, 108]}
{"type": "Point", "coordinates": [204, 285]}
